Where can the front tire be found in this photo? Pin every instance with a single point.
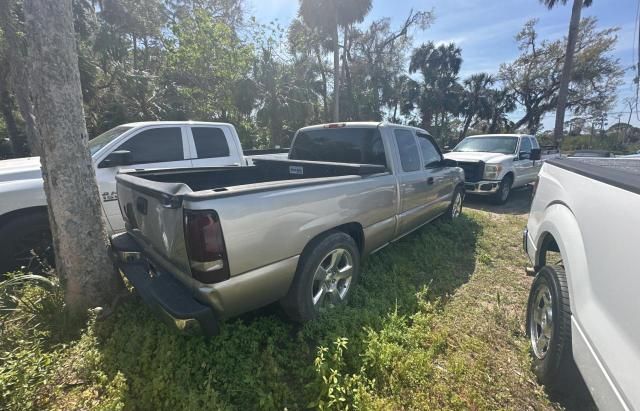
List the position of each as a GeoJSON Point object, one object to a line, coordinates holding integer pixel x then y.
{"type": "Point", "coordinates": [21, 238]}
{"type": "Point", "coordinates": [504, 190]}
{"type": "Point", "coordinates": [326, 276]}
{"type": "Point", "coordinates": [549, 329]}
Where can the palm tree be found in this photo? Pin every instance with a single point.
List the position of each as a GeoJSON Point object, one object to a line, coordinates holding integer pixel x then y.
{"type": "Point", "coordinates": [563, 92]}
{"type": "Point", "coordinates": [501, 102]}
{"type": "Point", "coordinates": [439, 66]}
{"type": "Point", "coordinates": [475, 100]}
{"type": "Point", "coordinates": [327, 16]}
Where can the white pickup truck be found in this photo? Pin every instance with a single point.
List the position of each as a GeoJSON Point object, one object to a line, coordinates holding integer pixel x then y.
{"type": "Point", "coordinates": [494, 164]}
{"type": "Point", "coordinates": [24, 224]}
{"type": "Point", "coordinates": [583, 303]}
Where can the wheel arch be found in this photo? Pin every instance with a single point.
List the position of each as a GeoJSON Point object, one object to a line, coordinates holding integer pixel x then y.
{"type": "Point", "coordinates": [352, 229]}
{"type": "Point", "coordinates": [4, 218]}
{"type": "Point", "coordinates": [560, 231]}
{"type": "Point", "coordinates": [511, 175]}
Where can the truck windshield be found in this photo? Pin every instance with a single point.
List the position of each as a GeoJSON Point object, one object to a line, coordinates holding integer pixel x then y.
{"type": "Point", "coordinates": [105, 138]}
{"type": "Point", "coordinates": [340, 145]}
{"type": "Point", "coordinates": [504, 145]}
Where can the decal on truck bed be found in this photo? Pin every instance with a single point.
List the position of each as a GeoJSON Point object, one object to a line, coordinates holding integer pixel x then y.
{"type": "Point", "coordinates": [296, 170]}
{"type": "Point", "coordinates": [109, 196]}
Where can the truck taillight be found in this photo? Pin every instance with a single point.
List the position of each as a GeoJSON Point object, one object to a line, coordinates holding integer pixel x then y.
{"type": "Point", "coordinates": [205, 246]}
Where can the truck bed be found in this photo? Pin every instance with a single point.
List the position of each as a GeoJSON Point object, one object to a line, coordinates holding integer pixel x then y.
{"type": "Point", "coordinates": [264, 174]}
{"type": "Point", "coordinates": [282, 196]}
{"type": "Point", "coordinates": [619, 172]}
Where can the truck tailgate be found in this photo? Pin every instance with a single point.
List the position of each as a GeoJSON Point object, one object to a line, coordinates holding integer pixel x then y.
{"type": "Point", "coordinates": [154, 217]}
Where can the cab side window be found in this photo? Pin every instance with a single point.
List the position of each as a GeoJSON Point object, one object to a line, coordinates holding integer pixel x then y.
{"type": "Point", "coordinates": [409, 157]}
{"type": "Point", "coordinates": [534, 142]}
{"type": "Point", "coordinates": [525, 145]}
{"type": "Point", "coordinates": [210, 142]}
{"type": "Point", "coordinates": [156, 145]}
{"type": "Point", "coordinates": [430, 154]}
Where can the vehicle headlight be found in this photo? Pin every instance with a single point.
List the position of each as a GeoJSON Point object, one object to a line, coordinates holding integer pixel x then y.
{"type": "Point", "coordinates": [492, 171]}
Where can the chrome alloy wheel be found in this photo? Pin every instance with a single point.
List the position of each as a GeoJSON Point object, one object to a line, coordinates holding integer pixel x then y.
{"type": "Point", "coordinates": [541, 322]}
{"type": "Point", "coordinates": [332, 278]}
{"type": "Point", "coordinates": [505, 191]}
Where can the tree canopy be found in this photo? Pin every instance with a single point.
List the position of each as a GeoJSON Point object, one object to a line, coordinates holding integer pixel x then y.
{"type": "Point", "coordinates": [209, 60]}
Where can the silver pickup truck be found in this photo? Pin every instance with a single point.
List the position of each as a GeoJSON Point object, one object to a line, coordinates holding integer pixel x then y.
{"type": "Point", "coordinates": [205, 244]}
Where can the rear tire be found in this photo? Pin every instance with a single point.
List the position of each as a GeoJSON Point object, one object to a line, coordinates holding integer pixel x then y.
{"type": "Point", "coordinates": [326, 275]}
{"type": "Point", "coordinates": [19, 236]}
{"type": "Point", "coordinates": [549, 329]}
{"type": "Point", "coordinates": [504, 190]}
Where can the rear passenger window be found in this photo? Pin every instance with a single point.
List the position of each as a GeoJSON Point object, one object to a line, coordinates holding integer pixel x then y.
{"type": "Point", "coordinates": [430, 154]}
{"type": "Point", "coordinates": [156, 145]}
{"type": "Point", "coordinates": [534, 142]}
{"type": "Point", "coordinates": [525, 145]}
{"type": "Point", "coordinates": [408, 150]}
{"type": "Point", "coordinates": [210, 142]}
{"type": "Point", "coordinates": [358, 145]}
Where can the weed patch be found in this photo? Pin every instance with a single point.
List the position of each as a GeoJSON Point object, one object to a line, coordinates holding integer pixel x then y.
{"type": "Point", "coordinates": [435, 322]}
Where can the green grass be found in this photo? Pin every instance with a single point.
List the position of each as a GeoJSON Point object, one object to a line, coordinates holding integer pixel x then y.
{"type": "Point", "coordinates": [435, 323]}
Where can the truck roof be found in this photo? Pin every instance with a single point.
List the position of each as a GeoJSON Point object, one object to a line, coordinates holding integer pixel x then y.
{"type": "Point", "coordinates": [501, 135]}
{"type": "Point", "coordinates": [176, 123]}
{"type": "Point", "coordinates": [359, 124]}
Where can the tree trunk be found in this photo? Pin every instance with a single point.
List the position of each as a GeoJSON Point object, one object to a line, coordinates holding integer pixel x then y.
{"type": "Point", "coordinates": [427, 118]}
{"type": "Point", "coordinates": [465, 128]}
{"type": "Point", "coordinates": [493, 126]}
{"type": "Point", "coordinates": [336, 73]}
{"type": "Point", "coordinates": [18, 143]}
{"type": "Point", "coordinates": [325, 109]}
{"type": "Point", "coordinates": [347, 75]}
{"type": "Point", "coordinates": [563, 92]}
{"type": "Point", "coordinates": [79, 232]}
{"type": "Point", "coordinates": [16, 53]}
{"type": "Point", "coordinates": [16, 138]}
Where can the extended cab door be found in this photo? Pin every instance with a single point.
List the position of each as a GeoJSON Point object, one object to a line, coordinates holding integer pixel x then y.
{"type": "Point", "coordinates": [415, 183]}
{"type": "Point", "coordinates": [440, 179]}
{"type": "Point", "coordinates": [213, 146]}
{"type": "Point", "coordinates": [523, 165]}
{"type": "Point", "coordinates": [151, 147]}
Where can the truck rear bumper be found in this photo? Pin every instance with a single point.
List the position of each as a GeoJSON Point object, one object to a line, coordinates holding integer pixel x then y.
{"type": "Point", "coordinates": [486, 187]}
{"type": "Point", "coordinates": [168, 297]}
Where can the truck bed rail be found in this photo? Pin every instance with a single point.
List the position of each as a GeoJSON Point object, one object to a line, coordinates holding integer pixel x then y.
{"type": "Point", "coordinates": [618, 172]}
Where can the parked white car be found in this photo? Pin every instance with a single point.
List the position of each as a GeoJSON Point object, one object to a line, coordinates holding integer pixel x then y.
{"type": "Point", "coordinates": [496, 163]}
{"type": "Point", "coordinates": [24, 224]}
{"type": "Point", "coordinates": [583, 303]}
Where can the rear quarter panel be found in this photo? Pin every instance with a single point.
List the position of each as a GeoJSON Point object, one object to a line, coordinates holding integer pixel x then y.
{"type": "Point", "coordinates": [264, 227]}
{"type": "Point", "coordinates": [21, 194]}
{"type": "Point", "coordinates": [596, 228]}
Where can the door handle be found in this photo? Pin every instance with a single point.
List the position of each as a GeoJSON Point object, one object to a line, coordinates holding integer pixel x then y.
{"type": "Point", "coordinates": [430, 180]}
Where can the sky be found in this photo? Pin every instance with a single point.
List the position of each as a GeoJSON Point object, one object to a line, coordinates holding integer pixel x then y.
{"type": "Point", "coordinates": [485, 30]}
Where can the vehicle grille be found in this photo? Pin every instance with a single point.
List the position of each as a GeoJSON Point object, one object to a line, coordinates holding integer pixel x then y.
{"type": "Point", "coordinates": [473, 171]}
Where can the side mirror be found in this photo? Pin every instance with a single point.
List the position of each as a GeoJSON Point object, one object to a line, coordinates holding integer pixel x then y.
{"type": "Point", "coordinates": [447, 149]}
{"type": "Point", "coordinates": [536, 154]}
{"type": "Point", "coordinates": [117, 158]}
{"type": "Point", "coordinates": [524, 155]}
